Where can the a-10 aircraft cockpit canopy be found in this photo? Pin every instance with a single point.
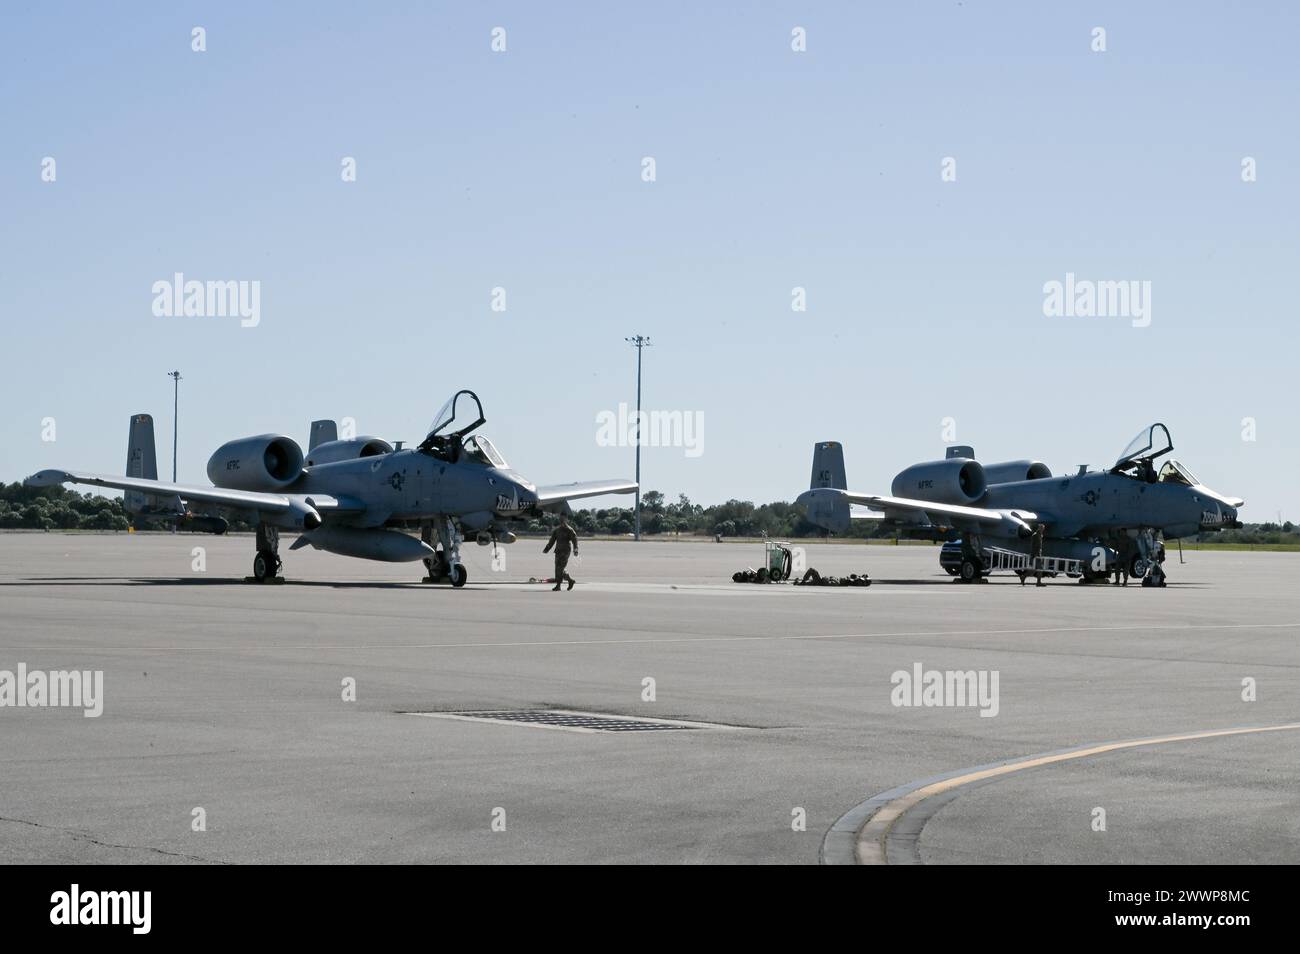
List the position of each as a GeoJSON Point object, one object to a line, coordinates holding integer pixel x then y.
{"type": "Point", "coordinates": [462, 414]}
{"type": "Point", "coordinates": [1136, 461]}
{"type": "Point", "coordinates": [463, 410]}
{"type": "Point", "coordinates": [1150, 443]}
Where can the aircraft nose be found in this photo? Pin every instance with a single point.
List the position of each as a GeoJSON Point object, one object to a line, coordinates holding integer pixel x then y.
{"type": "Point", "coordinates": [527, 494]}
{"type": "Point", "coordinates": [1219, 516]}
{"type": "Point", "coordinates": [523, 488]}
{"type": "Point", "coordinates": [517, 494]}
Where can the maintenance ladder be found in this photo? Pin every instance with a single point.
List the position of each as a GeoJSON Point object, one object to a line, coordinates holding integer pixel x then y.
{"type": "Point", "coordinates": [997, 559]}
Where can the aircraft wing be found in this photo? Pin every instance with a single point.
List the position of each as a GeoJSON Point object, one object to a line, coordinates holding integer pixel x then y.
{"type": "Point", "coordinates": [288, 504]}
{"type": "Point", "coordinates": [1017, 520]}
{"type": "Point", "coordinates": [558, 493]}
{"type": "Point", "coordinates": [978, 514]}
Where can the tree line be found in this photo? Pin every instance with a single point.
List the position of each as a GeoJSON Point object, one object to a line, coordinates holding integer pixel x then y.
{"type": "Point", "coordinates": [57, 508]}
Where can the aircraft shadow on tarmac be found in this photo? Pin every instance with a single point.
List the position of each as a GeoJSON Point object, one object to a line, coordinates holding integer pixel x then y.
{"type": "Point", "coordinates": [401, 585]}
{"type": "Point", "coordinates": [232, 581]}
{"type": "Point", "coordinates": [949, 581]}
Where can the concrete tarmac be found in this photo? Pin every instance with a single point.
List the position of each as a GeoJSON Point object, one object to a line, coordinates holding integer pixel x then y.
{"type": "Point", "coordinates": [228, 697]}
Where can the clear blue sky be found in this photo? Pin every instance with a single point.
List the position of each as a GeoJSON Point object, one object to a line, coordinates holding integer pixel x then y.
{"type": "Point", "coordinates": [775, 169]}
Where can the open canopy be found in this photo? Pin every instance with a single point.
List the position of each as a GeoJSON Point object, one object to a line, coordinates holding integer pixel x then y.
{"type": "Point", "coordinates": [1149, 444]}
{"type": "Point", "coordinates": [461, 414]}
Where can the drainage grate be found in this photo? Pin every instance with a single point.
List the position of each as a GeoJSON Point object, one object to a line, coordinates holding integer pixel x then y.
{"type": "Point", "coordinates": [570, 721]}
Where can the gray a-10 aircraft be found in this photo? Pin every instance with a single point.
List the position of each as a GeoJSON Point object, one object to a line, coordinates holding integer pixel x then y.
{"type": "Point", "coordinates": [349, 496]}
{"type": "Point", "coordinates": [1090, 521]}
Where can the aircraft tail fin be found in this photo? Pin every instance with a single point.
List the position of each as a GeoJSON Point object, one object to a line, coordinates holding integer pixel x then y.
{"type": "Point", "coordinates": [322, 432]}
{"type": "Point", "coordinates": [828, 510]}
{"type": "Point", "coordinates": [828, 466]}
{"type": "Point", "coordinates": [141, 460]}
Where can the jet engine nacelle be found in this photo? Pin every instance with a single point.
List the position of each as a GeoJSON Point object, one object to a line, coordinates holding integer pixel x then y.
{"type": "Point", "coordinates": [953, 481]}
{"type": "Point", "coordinates": [1008, 472]}
{"type": "Point", "coordinates": [265, 462]}
{"type": "Point", "coordinates": [350, 449]}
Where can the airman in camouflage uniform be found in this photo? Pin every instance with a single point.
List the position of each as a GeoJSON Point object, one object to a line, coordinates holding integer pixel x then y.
{"type": "Point", "coordinates": [563, 539]}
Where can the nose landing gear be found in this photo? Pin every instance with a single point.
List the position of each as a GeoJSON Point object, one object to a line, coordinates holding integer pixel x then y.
{"type": "Point", "coordinates": [444, 566]}
{"type": "Point", "coordinates": [1148, 561]}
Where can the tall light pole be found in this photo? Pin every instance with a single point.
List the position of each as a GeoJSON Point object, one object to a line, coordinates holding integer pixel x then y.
{"type": "Point", "coordinates": [176, 405]}
{"type": "Point", "coordinates": [639, 342]}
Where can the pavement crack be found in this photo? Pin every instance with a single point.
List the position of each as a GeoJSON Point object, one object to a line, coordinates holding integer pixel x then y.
{"type": "Point", "coordinates": [82, 836]}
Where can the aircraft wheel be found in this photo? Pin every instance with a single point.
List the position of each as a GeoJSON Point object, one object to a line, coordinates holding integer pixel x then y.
{"type": "Point", "coordinates": [1137, 566]}
{"type": "Point", "coordinates": [970, 570]}
{"type": "Point", "coordinates": [437, 566]}
{"type": "Point", "coordinates": [459, 575]}
{"type": "Point", "coordinates": [263, 566]}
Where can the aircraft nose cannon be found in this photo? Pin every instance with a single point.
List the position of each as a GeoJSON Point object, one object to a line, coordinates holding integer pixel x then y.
{"type": "Point", "coordinates": [1223, 518]}
{"type": "Point", "coordinates": [1219, 517]}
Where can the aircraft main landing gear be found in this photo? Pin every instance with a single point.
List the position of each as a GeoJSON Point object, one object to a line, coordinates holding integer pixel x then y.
{"type": "Point", "coordinates": [972, 565]}
{"type": "Point", "coordinates": [267, 562]}
{"type": "Point", "coordinates": [1150, 556]}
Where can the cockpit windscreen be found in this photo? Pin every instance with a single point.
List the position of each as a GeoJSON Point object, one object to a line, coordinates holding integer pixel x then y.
{"type": "Point", "coordinates": [480, 449]}
{"type": "Point", "coordinates": [1175, 473]}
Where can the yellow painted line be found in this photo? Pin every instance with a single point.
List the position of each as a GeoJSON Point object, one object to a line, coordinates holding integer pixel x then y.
{"type": "Point", "coordinates": [872, 838]}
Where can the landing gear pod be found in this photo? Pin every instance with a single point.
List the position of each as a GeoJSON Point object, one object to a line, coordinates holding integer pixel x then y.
{"type": "Point", "coordinates": [388, 546]}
